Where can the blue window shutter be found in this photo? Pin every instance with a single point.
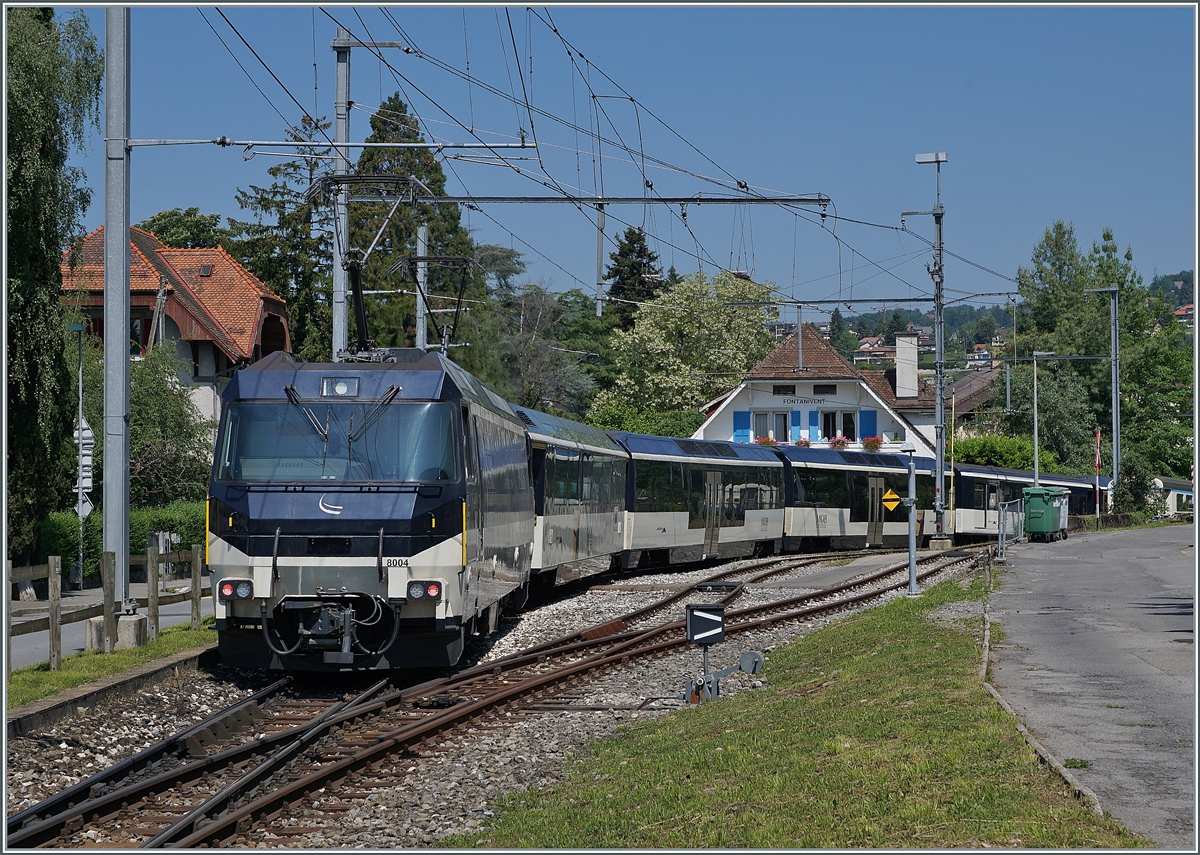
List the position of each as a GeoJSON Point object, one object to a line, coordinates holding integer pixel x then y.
{"type": "Point", "coordinates": [867, 423]}
{"type": "Point", "coordinates": [741, 426]}
{"type": "Point", "coordinates": [814, 425]}
{"type": "Point", "coordinates": [795, 431]}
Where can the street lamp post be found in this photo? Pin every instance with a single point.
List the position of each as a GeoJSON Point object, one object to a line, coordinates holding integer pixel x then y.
{"type": "Point", "coordinates": [911, 503]}
{"type": "Point", "coordinates": [1037, 354]}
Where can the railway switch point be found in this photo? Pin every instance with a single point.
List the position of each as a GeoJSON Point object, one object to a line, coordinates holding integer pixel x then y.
{"type": "Point", "coordinates": [707, 687]}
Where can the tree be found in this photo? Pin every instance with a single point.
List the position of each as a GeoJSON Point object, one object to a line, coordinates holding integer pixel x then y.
{"type": "Point", "coordinates": [837, 324]}
{"type": "Point", "coordinates": [1164, 286]}
{"type": "Point", "coordinates": [287, 245]}
{"type": "Point", "coordinates": [391, 319]}
{"type": "Point", "coordinates": [53, 81]}
{"type": "Point", "coordinates": [1066, 420]}
{"type": "Point", "coordinates": [985, 329]}
{"type": "Point", "coordinates": [1157, 395]}
{"type": "Point", "coordinates": [170, 443]}
{"type": "Point", "coordinates": [688, 344]}
{"type": "Point", "coordinates": [845, 344]}
{"type": "Point", "coordinates": [501, 262]}
{"type": "Point", "coordinates": [1009, 452]}
{"type": "Point", "coordinates": [542, 374]}
{"type": "Point", "coordinates": [186, 229]}
{"type": "Point", "coordinates": [590, 337]}
{"type": "Point", "coordinates": [634, 274]}
{"type": "Point", "coordinates": [1051, 287]}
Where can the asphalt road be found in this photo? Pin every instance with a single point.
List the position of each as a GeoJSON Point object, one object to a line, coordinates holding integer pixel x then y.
{"type": "Point", "coordinates": [1099, 661]}
{"type": "Point", "coordinates": [35, 647]}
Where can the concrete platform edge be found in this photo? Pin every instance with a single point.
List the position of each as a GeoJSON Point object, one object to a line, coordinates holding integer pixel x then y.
{"type": "Point", "coordinates": [1079, 789]}
{"type": "Point", "coordinates": [46, 711]}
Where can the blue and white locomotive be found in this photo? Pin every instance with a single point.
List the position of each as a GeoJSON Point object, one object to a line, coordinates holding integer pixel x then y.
{"type": "Point", "coordinates": [365, 515]}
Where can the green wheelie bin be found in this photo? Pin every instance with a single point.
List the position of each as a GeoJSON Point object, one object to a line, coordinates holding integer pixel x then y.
{"type": "Point", "coordinates": [1043, 511]}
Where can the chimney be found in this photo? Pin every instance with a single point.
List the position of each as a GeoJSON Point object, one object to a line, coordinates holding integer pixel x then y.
{"type": "Point", "coordinates": [906, 365]}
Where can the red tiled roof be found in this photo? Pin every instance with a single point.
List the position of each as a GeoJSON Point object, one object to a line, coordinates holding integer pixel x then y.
{"type": "Point", "coordinates": [230, 294]}
{"type": "Point", "coordinates": [883, 384]}
{"type": "Point", "coordinates": [227, 305]}
{"type": "Point", "coordinates": [821, 360]}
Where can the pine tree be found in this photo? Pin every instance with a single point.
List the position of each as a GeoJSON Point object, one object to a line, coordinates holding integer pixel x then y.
{"type": "Point", "coordinates": [391, 320]}
{"type": "Point", "coordinates": [288, 244]}
{"type": "Point", "coordinates": [634, 275]}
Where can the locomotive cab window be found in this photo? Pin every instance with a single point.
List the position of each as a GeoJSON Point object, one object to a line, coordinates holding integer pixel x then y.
{"type": "Point", "coordinates": [330, 440]}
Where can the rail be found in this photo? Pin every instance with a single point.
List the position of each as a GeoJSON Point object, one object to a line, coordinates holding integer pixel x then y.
{"type": "Point", "coordinates": [57, 617]}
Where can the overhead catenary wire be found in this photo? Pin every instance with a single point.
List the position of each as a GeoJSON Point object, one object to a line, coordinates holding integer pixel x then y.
{"type": "Point", "coordinates": [249, 77]}
{"type": "Point", "coordinates": [274, 76]}
{"type": "Point", "coordinates": [637, 157]}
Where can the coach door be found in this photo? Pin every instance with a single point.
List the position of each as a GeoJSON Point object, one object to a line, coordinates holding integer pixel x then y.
{"type": "Point", "coordinates": [473, 528]}
{"type": "Point", "coordinates": [714, 506]}
{"type": "Point", "coordinates": [993, 496]}
{"type": "Point", "coordinates": [875, 490]}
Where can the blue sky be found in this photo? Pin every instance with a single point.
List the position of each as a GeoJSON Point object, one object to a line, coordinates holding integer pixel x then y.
{"type": "Point", "coordinates": [1085, 114]}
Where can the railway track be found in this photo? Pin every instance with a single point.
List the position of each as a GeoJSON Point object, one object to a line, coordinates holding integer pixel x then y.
{"type": "Point", "coordinates": [322, 760]}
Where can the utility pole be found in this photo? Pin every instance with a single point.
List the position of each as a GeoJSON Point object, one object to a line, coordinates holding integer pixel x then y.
{"type": "Point", "coordinates": [936, 272]}
{"type": "Point", "coordinates": [599, 256]}
{"type": "Point", "coordinates": [422, 282]}
{"type": "Point", "coordinates": [116, 293]}
{"type": "Point", "coordinates": [341, 166]}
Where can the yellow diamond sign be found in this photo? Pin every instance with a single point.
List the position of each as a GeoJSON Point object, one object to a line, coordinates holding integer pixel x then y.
{"type": "Point", "coordinates": [890, 500]}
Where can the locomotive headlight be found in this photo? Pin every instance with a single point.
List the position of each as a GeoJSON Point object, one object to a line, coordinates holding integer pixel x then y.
{"type": "Point", "coordinates": [431, 590]}
{"type": "Point", "coordinates": [339, 387]}
{"type": "Point", "coordinates": [235, 589]}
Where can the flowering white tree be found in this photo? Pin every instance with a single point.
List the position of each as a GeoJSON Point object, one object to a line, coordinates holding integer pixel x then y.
{"type": "Point", "coordinates": [688, 345]}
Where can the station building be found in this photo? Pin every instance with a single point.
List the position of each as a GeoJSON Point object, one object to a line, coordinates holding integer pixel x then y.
{"type": "Point", "coordinates": [811, 394]}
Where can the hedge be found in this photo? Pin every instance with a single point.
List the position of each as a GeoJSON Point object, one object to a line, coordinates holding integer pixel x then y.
{"type": "Point", "coordinates": [60, 533]}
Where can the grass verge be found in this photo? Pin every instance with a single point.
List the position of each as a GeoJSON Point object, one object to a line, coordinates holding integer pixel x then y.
{"type": "Point", "coordinates": [38, 681]}
{"type": "Point", "coordinates": [874, 732]}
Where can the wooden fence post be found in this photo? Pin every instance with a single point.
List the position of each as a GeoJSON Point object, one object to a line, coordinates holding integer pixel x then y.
{"type": "Point", "coordinates": [54, 577]}
{"type": "Point", "coordinates": [7, 620]}
{"type": "Point", "coordinates": [108, 578]}
{"type": "Point", "coordinates": [152, 591]}
{"type": "Point", "coordinates": [197, 560]}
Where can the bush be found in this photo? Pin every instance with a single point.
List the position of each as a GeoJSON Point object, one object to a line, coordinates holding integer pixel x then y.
{"type": "Point", "coordinates": [60, 533]}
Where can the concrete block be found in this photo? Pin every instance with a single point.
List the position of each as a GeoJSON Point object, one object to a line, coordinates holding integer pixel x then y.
{"type": "Point", "coordinates": [131, 632]}
{"type": "Point", "coordinates": [940, 544]}
{"type": "Point", "coordinates": [93, 634]}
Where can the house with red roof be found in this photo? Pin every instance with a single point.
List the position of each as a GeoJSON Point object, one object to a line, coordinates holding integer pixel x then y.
{"type": "Point", "coordinates": [812, 393]}
{"type": "Point", "coordinates": [1186, 315]}
{"type": "Point", "coordinates": [215, 313]}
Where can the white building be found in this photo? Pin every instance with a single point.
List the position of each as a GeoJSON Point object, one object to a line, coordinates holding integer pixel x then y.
{"type": "Point", "coordinates": [816, 395]}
